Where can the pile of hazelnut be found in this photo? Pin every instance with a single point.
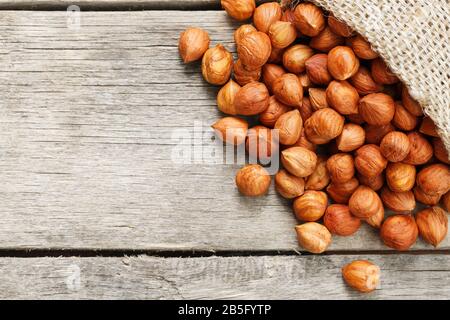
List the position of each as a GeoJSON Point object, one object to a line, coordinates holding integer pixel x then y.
{"type": "Point", "coordinates": [319, 84]}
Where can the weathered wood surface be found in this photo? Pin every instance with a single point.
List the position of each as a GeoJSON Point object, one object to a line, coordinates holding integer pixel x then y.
{"type": "Point", "coordinates": [86, 120]}
{"type": "Point", "coordinates": [264, 277]}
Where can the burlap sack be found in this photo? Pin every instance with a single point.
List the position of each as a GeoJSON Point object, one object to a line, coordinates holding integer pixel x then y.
{"type": "Point", "coordinates": [412, 36]}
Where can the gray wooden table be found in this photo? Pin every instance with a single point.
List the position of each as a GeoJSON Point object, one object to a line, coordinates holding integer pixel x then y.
{"type": "Point", "coordinates": [93, 205]}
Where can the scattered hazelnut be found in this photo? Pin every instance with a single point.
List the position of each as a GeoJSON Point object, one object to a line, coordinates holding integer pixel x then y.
{"type": "Point", "coordinates": [231, 130]}
{"type": "Point", "coordinates": [376, 220]}
{"type": "Point", "coordinates": [440, 152]}
{"type": "Point", "coordinates": [317, 69]}
{"type": "Point", "coordinates": [375, 183]}
{"type": "Point", "coordinates": [260, 143]}
{"type": "Point", "coordinates": [271, 72]}
{"type": "Point", "coordinates": [342, 97]}
{"type": "Point", "coordinates": [403, 119]}
{"type": "Point", "coordinates": [239, 9]}
{"type": "Point", "coordinates": [299, 161]}
{"type": "Point", "coordinates": [421, 150]}
{"type": "Point", "coordinates": [323, 126]}
{"type": "Point", "coordinates": [265, 15]}
{"type": "Point", "coordinates": [341, 192]}
{"type": "Point", "coordinates": [289, 126]}
{"type": "Point", "coordinates": [254, 49]}
{"type": "Point", "coordinates": [341, 167]}
{"type": "Point", "coordinates": [363, 82]}
{"type": "Point", "coordinates": [251, 99]}
{"type": "Point", "coordinates": [427, 199]}
{"type": "Point", "coordinates": [294, 58]}
{"type": "Point", "coordinates": [400, 177]}
{"type": "Point", "coordinates": [399, 202]}
{"type": "Point", "coordinates": [339, 27]}
{"type": "Point", "coordinates": [244, 76]}
{"type": "Point", "coordinates": [320, 178]}
{"type": "Point", "coordinates": [362, 48]}
{"type": "Point", "coordinates": [273, 112]}
{"type": "Point", "coordinates": [361, 275]}
{"type": "Point", "coordinates": [381, 73]}
{"type": "Point", "coordinates": [340, 221]}
{"type": "Point", "coordinates": [364, 202]}
{"type": "Point", "coordinates": [225, 97]}
{"type": "Point", "coordinates": [326, 40]}
{"type": "Point", "coordinates": [242, 31]}
{"type": "Point", "coordinates": [253, 180]}
{"type": "Point", "coordinates": [427, 127]}
{"type": "Point", "coordinates": [410, 104]}
{"type": "Point", "coordinates": [375, 134]}
{"type": "Point", "coordinates": [288, 185]}
{"type": "Point", "coordinates": [342, 62]}
{"type": "Point", "coordinates": [434, 179]}
{"type": "Point", "coordinates": [351, 138]}
{"type": "Point", "coordinates": [309, 19]}
{"type": "Point", "coordinates": [395, 146]}
{"type": "Point", "coordinates": [288, 90]}
{"type": "Point", "coordinates": [433, 225]}
{"type": "Point", "coordinates": [377, 108]}
{"type": "Point", "coordinates": [318, 98]}
{"type": "Point", "coordinates": [369, 161]}
{"type": "Point", "coordinates": [311, 205]}
{"type": "Point", "coordinates": [399, 232]}
{"type": "Point", "coordinates": [282, 34]}
{"type": "Point", "coordinates": [193, 44]}
{"type": "Point", "coordinates": [217, 63]}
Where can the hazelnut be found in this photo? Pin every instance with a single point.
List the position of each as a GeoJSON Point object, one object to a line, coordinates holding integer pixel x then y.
{"type": "Point", "coordinates": [242, 31]}
{"type": "Point", "coordinates": [289, 126]}
{"type": "Point", "coordinates": [304, 142]}
{"type": "Point", "coordinates": [309, 19]}
{"type": "Point", "coordinates": [318, 98]}
{"type": "Point", "coordinates": [376, 220]}
{"type": "Point", "coordinates": [254, 49]}
{"type": "Point", "coordinates": [320, 178]}
{"type": "Point", "coordinates": [342, 62]}
{"type": "Point", "coordinates": [260, 143]}
{"type": "Point", "coordinates": [427, 127]}
{"type": "Point", "coordinates": [362, 48]}
{"type": "Point", "coordinates": [355, 118]}
{"type": "Point", "coordinates": [375, 183]}
{"type": "Point", "coordinates": [239, 9]}
{"type": "Point", "coordinates": [265, 15]}
{"type": "Point", "coordinates": [326, 40]}
{"type": "Point", "coordinates": [351, 138]}
{"type": "Point", "coordinates": [313, 237]}
{"type": "Point", "coordinates": [193, 44]}
{"type": "Point", "coordinates": [403, 119]}
{"type": "Point", "coordinates": [364, 202]}
{"type": "Point", "coordinates": [421, 150]}
{"type": "Point", "coordinates": [375, 134]}
{"type": "Point", "coordinates": [369, 161]}
{"type": "Point", "coordinates": [273, 112]}
{"type": "Point", "coordinates": [377, 108]}
{"type": "Point", "coordinates": [217, 63]}
{"type": "Point", "coordinates": [433, 225]}
{"type": "Point", "coordinates": [317, 69]}
{"type": "Point", "coordinates": [440, 152]}
{"type": "Point", "coordinates": [395, 146]}
{"type": "Point", "coordinates": [399, 232]}
{"type": "Point", "coordinates": [225, 97]}
{"type": "Point", "coordinates": [294, 58]}
{"type": "Point", "coordinates": [434, 179]}
{"type": "Point", "coordinates": [381, 73]}
{"type": "Point", "coordinates": [341, 192]}
{"type": "Point", "coordinates": [251, 99]}
{"type": "Point", "coordinates": [342, 97]}
{"type": "Point", "coordinates": [339, 27]}
{"type": "Point", "coordinates": [271, 72]}
{"type": "Point", "coordinates": [289, 16]}
{"type": "Point", "coordinates": [363, 82]}
{"type": "Point", "coordinates": [306, 110]}
{"type": "Point", "coordinates": [282, 34]}
{"type": "Point", "coordinates": [400, 177]}
{"type": "Point", "coordinates": [427, 199]}
{"type": "Point", "coordinates": [288, 90]}
{"type": "Point", "coordinates": [253, 180]}
{"type": "Point", "coordinates": [311, 205]}
{"type": "Point", "coordinates": [340, 221]}
{"type": "Point", "coordinates": [244, 76]}
{"type": "Point", "coordinates": [231, 130]}
{"type": "Point", "coordinates": [341, 167]}
{"type": "Point", "coordinates": [288, 185]}
{"type": "Point", "coordinates": [299, 161]}
{"type": "Point", "coordinates": [276, 55]}
{"type": "Point", "coordinates": [446, 201]}
{"type": "Point", "coordinates": [410, 104]}
{"type": "Point", "coordinates": [323, 126]}
{"type": "Point", "coordinates": [305, 81]}
{"type": "Point", "coordinates": [399, 202]}
{"type": "Point", "coordinates": [361, 275]}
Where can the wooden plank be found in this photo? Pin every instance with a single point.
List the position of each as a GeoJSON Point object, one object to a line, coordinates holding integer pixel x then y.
{"type": "Point", "coordinates": [87, 117]}
{"type": "Point", "coordinates": [264, 277]}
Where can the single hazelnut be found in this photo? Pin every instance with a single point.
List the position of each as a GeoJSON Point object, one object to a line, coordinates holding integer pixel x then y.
{"type": "Point", "coordinates": [254, 49]}
{"type": "Point", "coordinates": [399, 202]}
{"type": "Point", "coordinates": [361, 275]}
{"type": "Point", "coordinates": [313, 237]}
{"type": "Point", "coordinates": [294, 58]}
{"type": "Point", "coordinates": [381, 73]}
{"type": "Point", "coordinates": [363, 82]}
{"type": "Point", "coordinates": [375, 134]}
{"type": "Point", "coordinates": [225, 97]}
{"type": "Point", "coordinates": [282, 34]}
{"type": "Point", "coordinates": [362, 48]}
{"type": "Point", "coordinates": [273, 112]}
{"type": "Point", "coordinates": [231, 130]}
{"type": "Point", "coordinates": [341, 167]}
{"type": "Point", "coordinates": [311, 205]}
{"type": "Point", "coordinates": [342, 97]}
{"type": "Point", "coordinates": [299, 161]}
{"type": "Point", "coordinates": [341, 192]}
{"type": "Point", "coordinates": [265, 15]}
{"type": "Point", "coordinates": [276, 55]}
{"type": "Point", "coordinates": [446, 201]}
{"type": "Point", "coordinates": [342, 63]}
{"type": "Point", "coordinates": [253, 180]}
{"type": "Point", "coordinates": [193, 44]}
{"type": "Point", "coordinates": [377, 108]}
{"type": "Point", "coordinates": [320, 178]}
{"type": "Point", "coordinates": [421, 150]}
{"type": "Point", "coordinates": [440, 152]}
{"type": "Point", "coordinates": [242, 31]}
{"type": "Point", "coordinates": [271, 72]}
{"type": "Point", "coordinates": [340, 221]}
{"type": "Point", "coordinates": [351, 138]}
{"type": "Point", "coordinates": [395, 146]}
{"type": "Point", "coordinates": [427, 199]}
{"type": "Point", "coordinates": [399, 232]}
{"type": "Point", "coordinates": [309, 19]}
{"type": "Point", "coordinates": [403, 120]}
{"type": "Point", "coordinates": [410, 104]}
{"type": "Point", "coordinates": [375, 183]}
{"type": "Point", "coordinates": [355, 118]}
{"type": "Point", "coordinates": [433, 225]}
{"type": "Point", "coordinates": [288, 90]}
{"type": "Point", "coordinates": [217, 63]}
{"type": "Point", "coordinates": [364, 202]}
{"type": "Point", "coordinates": [400, 177]}
{"type": "Point", "coordinates": [306, 110]}
{"type": "Point", "coordinates": [251, 99]}
{"type": "Point", "coordinates": [289, 126]}
{"type": "Point", "coordinates": [317, 69]}
{"type": "Point", "coordinates": [305, 81]}
{"type": "Point", "coordinates": [288, 185]}
{"type": "Point", "coordinates": [323, 126]}
{"type": "Point", "coordinates": [318, 98]}
{"type": "Point", "coordinates": [339, 27]}
{"type": "Point", "coordinates": [326, 40]}
{"type": "Point", "coordinates": [428, 127]}
{"type": "Point", "coordinates": [434, 179]}
{"type": "Point", "coordinates": [239, 9]}
{"type": "Point", "coordinates": [369, 161]}
{"type": "Point", "coordinates": [243, 75]}
{"type": "Point", "coordinates": [376, 220]}
{"type": "Point", "coordinates": [260, 143]}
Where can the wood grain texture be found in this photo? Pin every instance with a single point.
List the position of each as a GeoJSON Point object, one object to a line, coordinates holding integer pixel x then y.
{"type": "Point", "coordinates": [87, 117]}
{"type": "Point", "coordinates": [264, 277]}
